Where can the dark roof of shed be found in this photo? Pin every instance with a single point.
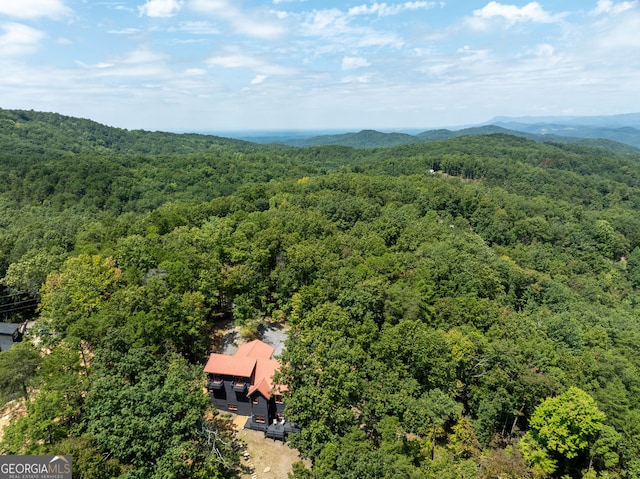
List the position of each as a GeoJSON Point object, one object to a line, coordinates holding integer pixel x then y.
{"type": "Point", "coordinates": [9, 328]}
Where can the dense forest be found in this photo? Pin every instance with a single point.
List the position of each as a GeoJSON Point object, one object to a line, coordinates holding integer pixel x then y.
{"type": "Point", "coordinates": [463, 308]}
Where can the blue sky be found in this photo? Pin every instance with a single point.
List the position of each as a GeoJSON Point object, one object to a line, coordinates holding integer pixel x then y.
{"type": "Point", "coordinates": [224, 65]}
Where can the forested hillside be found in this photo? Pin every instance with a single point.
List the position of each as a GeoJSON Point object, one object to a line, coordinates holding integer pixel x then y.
{"type": "Point", "coordinates": [464, 308]}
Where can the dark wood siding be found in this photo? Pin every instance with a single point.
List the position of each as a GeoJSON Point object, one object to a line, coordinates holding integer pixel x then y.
{"type": "Point", "coordinates": [227, 399]}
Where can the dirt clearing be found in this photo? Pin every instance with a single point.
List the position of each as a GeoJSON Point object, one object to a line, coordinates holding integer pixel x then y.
{"type": "Point", "coordinates": [10, 411]}
{"type": "Point", "coordinates": [264, 458]}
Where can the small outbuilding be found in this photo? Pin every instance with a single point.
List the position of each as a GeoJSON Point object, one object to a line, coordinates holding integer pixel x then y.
{"type": "Point", "coordinates": [10, 333]}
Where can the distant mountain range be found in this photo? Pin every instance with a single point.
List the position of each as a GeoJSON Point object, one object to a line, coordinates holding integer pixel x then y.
{"type": "Point", "coordinates": [622, 139]}
{"type": "Point", "coordinates": [619, 133]}
{"type": "Point", "coordinates": [611, 121]}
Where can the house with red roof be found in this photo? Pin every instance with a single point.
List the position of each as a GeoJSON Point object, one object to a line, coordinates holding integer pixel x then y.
{"type": "Point", "coordinates": [243, 384]}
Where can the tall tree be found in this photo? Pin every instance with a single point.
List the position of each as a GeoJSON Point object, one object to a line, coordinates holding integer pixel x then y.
{"type": "Point", "coordinates": [561, 428]}
{"type": "Point", "coordinates": [17, 370]}
{"type": "Point", "coordinates": [79, 289]}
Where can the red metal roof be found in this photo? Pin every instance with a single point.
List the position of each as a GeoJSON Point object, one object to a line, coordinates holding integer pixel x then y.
{"type": "Point", "coordinates": [255, 349]}
{"type": "Point", "coordinates": [230, 365]}
{"type": "Point", "coordinates": [263, 386]}
{"type": "Point", "coordinates": [251, 360]}
{"type": "Point", "coordinates": [265, 369]}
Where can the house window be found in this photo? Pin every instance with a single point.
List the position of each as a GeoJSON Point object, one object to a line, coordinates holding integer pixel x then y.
{"type": "Point", "coordinates": [255, 400]}
{"type": "Point", "coordinates": [260, 419]}
{"type": "Point", "coordinates": [278, 399]}
{"type": "Point", "coordinates": [215, 382]}
{"type": "Point", "coordinates": [232, 407]}
{"type": "Point", "coordinates": [240, 385]}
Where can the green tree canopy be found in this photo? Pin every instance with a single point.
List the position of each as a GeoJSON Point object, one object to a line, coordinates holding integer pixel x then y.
{"type": "Point", "coordinates": [17, 369]}
{"type": "Point", "coordinates": [562, 427]}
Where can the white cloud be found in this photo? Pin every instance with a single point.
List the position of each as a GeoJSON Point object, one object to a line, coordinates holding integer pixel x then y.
{"type": "Point", "coordinates": [325, 22]}
{"type": "Point", "coordinates": [334, 25]}
{"type": "Point", "coordinates": [199, 28]}
{"type": "Point", "coordinates": [352, 63]}
{"type": "Point", "coordinates": [160, 8]}
{"type": "Point", "coordinates": [250, 62]}
{"type": "Point", "coordinates": [98, 66]}
{"type": "Point", "coordinates": [438, 69]}
{"type": "Point", "coordinates": [383, 10]}
{"type": "Point", "coordinates": [511, 14]}
{"type": "Point", "coordinates": [377, 39]}
{"type": "Point", "coordinates": [421, 52]}
{"type": "Point", "coordinates": [19, 39]}
{"type": "Point", "coordinates": [123, 8]}
{"type": "Point", "coordinates": [607, 7]}
{"type": "Point", "coordinates": [469, 53]}
{"type": "Point", "coordinates": [142, 55]}
{"type": "Point", "coordinates": [34, 8]}
{"type": "Point", "coordinates": [357, 79]}
{"type": "Point", "coordinates": [195, 72]}
{"type": "Point", "coordinates": [544, 50]}
{"type": "Point", "coordinates": [235, 61]}
{"type": "Point", "coordinates": [142, 62]}
{"type": "Point", "coordinates": [618, 38]}
{"type": "Point", "coordinates": [124, 31]}
{"type": "Point", "coordinates": [255, 23]}
{"type": "Point", "coordinates": [281, 14]}
{"type": "Point", "coordinates": [259, 79]}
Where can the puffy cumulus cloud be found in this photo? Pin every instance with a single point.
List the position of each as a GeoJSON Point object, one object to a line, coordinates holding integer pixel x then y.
{"type": "Point", "coordinates": [353, 63]}
{"type": "Point", "coordinates": [254, 23]}
{"type": "Point", "coordinates": [18, 39]}
{"type": "Point", "coordinates": [511, 14]}
{"type": "Point", "coordinates": [607, 7]}
{"type": "Point", "coordinates": [27, 9]}
{"type": "Point", "coordinates": [384, 10]}
{"type": "Point", "coordinates": [160, 8]}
